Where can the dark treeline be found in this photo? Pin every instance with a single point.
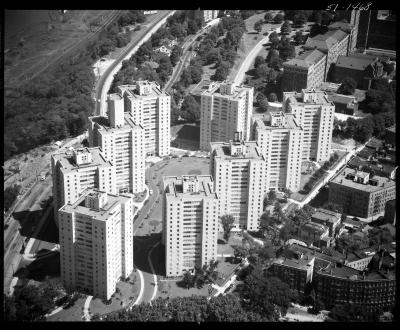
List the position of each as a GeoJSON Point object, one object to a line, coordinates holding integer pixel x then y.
{"type": "Point", "coordinates": [56, 104]}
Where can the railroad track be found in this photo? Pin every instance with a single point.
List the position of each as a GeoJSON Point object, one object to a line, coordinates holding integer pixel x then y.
{"type": "Point", "coordinates": [32, 72]}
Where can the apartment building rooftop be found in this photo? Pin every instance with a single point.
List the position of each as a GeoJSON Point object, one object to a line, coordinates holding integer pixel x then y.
{"type": "Point", "coordinates": [142, 89]}
{"type": "Point", "coordinates": [189, 186]}
{"type": "Point", "coordinates": [73, 160]}
{"type": "Point", "coordinates": [307, 97]}
{"type": "Point", "coordinates": [236, 150]}
{"type": "Point", "coordinates": [312, 227]}
{"type": "Point", "coordinates": [103, 212]}
{"type": "Point", "coordinates": [276, 120]}
{"type": "Point", "coordinates": [227, 89]}
{"type": "Point", "coordinates": [307, 59]}
{"type": "Point", "coordinates": [341, 25]}
{"type": "Point", "coordinates": [355, 179]}
{"type": "Point", "coordinates": [103, 123]}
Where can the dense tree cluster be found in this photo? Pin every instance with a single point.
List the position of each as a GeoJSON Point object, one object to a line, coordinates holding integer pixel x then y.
{"type": "Point", "coordinates": [29, 303]}
{"type": "Point", "coordinates": [198, 309]}
{"type": "Point", "coordinates": [202, 275]}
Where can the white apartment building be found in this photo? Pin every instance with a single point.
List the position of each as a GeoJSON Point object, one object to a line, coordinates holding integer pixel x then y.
{"type": "Point", "coordinates": [238, 169]}
{"type": "Point", "coordinates": [209, 15]}
{"type": "Point", "coordinates": [151, 108]}
{"type": "Point", "coordinates": [96, 242]}
{"type": "Point", "coordinates": [315, 114]}
{"type": "Point", "coordinates": [78, 170]}
{"type": "Point", "coordinates": [190, 227]}
{"type": "Point", "coordinates": [281, 140]}
{"type": "Point", "coordinates": [122, 143]}
{"type": "Point", "coordinates": [225, 109]}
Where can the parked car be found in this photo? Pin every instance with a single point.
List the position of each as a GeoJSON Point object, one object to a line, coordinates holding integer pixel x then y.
{"type": "Point", "coordinates": [151, 191]}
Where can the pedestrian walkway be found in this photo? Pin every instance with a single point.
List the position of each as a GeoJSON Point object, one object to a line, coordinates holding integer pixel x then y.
{"type": "Point", "coordinates": [86, 313]}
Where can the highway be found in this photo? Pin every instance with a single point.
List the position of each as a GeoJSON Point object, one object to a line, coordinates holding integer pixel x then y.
{"type": "Point", "coordinates": [140, 37]}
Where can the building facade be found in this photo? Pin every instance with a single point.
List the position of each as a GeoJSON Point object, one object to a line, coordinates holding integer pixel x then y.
{"type": "Point", "coordinates": [78, 170]}
{"type": "Point", "coordinates": [280, 140]}
{"type": "Point", "coordinates": [209, 15]}
{"type": "Point", "coordinates": [122, 143]}
{"type": "Point", "coordinates": [225, 109]}
{"type": "Point", "coordinates": [150, 107]}
{"type": "Point", "coordinates": [304, 72]}
{"type": "Point", "coordinates": [333, 43]}
{"type": "Point", "coordinates": [190, 227]}
{"type": "Point", "coordinates": [96, 242]}
{"type": "Point", "coordinates": [359, 194]}
{"type": "Point", "coordinates": [315, 114]}
{"type": "Point", "coordinates": [238, 169]}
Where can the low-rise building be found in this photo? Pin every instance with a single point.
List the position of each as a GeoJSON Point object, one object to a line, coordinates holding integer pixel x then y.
{"type": "Point", "coordinates": [386, 170]}
{"type": "Point", "coordinates": [328, 218]}
{"type": "Point", "coordinates": [361, 67]}
{"type": "Point", "coordinates": [359, 194]}
{"type": "Point", "coordinates": [336, 282]}
{"type": "Point", "coordinates": [315, 234]}
{"type": "Point", "coordinates": [346, 104]}
{"type": "Point", "coordinates": [390, 136]}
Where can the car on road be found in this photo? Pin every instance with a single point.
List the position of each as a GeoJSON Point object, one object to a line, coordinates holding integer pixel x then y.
{"type": "Point", "coordinates": [151, 192]}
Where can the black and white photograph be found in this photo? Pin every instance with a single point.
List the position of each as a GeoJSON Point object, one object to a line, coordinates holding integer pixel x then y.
{"type": "Point", "coordinates": [200, 165]}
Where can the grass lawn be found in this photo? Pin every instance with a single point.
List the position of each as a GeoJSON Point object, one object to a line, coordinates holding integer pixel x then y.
{"type": "Point", "coordinates": [225, 269]}
{"type": "Point", "coordinates": [249, 40]}
{"type": "Point", "coordinates": [74, 313]}
{"type": "Point", "coordinates": [127, 294]}
{"type": "Point", "coordinates": [169, 288]}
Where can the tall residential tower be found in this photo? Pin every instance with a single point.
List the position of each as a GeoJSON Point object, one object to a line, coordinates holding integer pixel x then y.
{"type": "Point", "coordinates": [238, 169]}
{"type": "Point", "coordinates": [190, 228]}
{"type": "Point", "coordinates": [225, 110]}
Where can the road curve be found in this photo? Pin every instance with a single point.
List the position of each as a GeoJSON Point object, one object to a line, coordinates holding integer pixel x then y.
{"type": "Point", "coordinates": [250, 57]}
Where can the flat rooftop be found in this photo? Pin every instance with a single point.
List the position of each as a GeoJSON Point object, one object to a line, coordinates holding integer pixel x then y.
{"type": "Point", "coordinates": [326, 215]}
{"type": "Point", "coordinates": [319, 98]}
{"type": "Point", "coordinates": [214, 90]}
{"type": "Point", "coordinates": [132, 91]}
{"type": "Point", "coordinates": [355, 62]}
{"type": "Point", "coordinates": [103, 123]}
{"type": "Point", "coordinates": [67, 162]}
{"type": "Point", "coordinates": [103, 214]}
{"type": "Point", "coordinates": [174, 186]}
{"type": "Point", "coordinates": [222, 150]}
{"type": "Point", "coordinates": [264, 121]}
{"type": "Point", "coordinates": [382, 182]}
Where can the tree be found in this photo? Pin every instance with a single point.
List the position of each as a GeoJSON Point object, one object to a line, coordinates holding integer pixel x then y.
{"type": "Point", "coordinates": [333, 207]}
{"type": "Point", "coordinates": [278, 213]}
{"type": "Point", "coordinates": [278, 18]}
{"type": "Point", "coordinates": [286, 28]}
{"type": "Point", "coordinates": [287, 192]}
{"type": "Point", "coordinates": [268, 17]}
{"type": "Point", "coordinates": [263, 70]}
{"type": "Point", "coordinates": [188, 280]}
{"type": "Point", "coordinates": [258, 26]}
{"type": "Point", "coordinates": [190, 109]}
{"type": "Point", "coordinates": [347, 86]}
{"type": "Point", "coordinates": [272, 97]}
{"type": "Point", "coordinates": [176, 53]}
{"type": "Point", "coordinates": [300, 19]}
{"type": "Point", "coordinates": [274, 40]}
{"type": "Point", "coordinates": [227, 221]}
{"type": "Point", "coordinates": [212, 55]}
{"type": "Point", "coordinates": [271, 196]}
{"type": "Point", "coordinates": [263, 104]}
{"type": "Point", "coordinates": [177, 30]}
{"type": "Point", "coordinates": [298, 37]}
{"type": "Point", "coordinates": [259, 60]}
{"type": "Point", "coordinates": [221, 73]}
{"type": "Point", "coordinates": [286, 49]}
